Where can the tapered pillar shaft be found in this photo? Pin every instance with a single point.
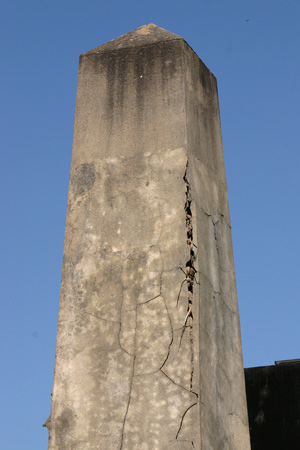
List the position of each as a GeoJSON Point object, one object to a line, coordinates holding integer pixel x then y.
{"type": "Point", "coordinates": [148, 346]}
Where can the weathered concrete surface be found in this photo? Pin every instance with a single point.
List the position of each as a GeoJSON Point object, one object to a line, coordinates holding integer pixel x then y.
{"type": "Point", "coordinates": [148, 350]}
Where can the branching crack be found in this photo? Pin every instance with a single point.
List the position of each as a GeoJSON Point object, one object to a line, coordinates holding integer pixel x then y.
{"type": "Point", "coordinates": [131, 384]}
{"type": "Point", "coordinates": [218, 293]}
{"type": "Point", "coordinates": [179, 385]}
{"type": "Point", "coordinates": [150, 300]}
{"type": "Point", "coordinates": [172, 334]}
{"type": "Point", "coordinates": [100, 318]}
{"type": "Point", "coordinates": [211, 217]}
{"type": "Point", "coordinates": [182, 419]}
{"type": "Point", "coordinates": [119, 340]}
{"type": "Point", "coordinates": [234, 414]}
{"type": "Point", "coordinates": [186, 440]}
{"type": "Point", "coordinates": [215, 224]}
{"type": "Point", "coordinates": [231, 310]}
{"type": "Point", "coordinates": [180, 328]}
{"type": "Point", "coordinates": [216, 239]}
{"type": "Point", "coordinates": [208, 280]}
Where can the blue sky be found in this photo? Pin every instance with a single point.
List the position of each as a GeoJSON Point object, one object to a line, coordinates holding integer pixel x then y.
{"type": "Point", "coordinates": [257, 65]}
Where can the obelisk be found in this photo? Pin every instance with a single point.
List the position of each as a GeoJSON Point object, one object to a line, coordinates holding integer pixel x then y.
{"type": "Point", "coordinates": [148, 346]}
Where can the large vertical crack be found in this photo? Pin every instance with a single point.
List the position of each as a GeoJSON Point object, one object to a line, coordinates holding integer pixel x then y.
{"type": "Point", "coordinates": [190, 272]}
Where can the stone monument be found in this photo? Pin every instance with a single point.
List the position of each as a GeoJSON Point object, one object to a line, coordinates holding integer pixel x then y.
{"type": "Point", "coordinates": [148, 346]}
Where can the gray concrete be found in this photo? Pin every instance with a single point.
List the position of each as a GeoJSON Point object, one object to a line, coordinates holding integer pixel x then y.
{"type": "Point", "coordinates": [148, 345]}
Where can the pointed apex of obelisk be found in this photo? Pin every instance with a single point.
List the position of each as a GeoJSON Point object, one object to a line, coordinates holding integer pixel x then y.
{"type": "Point", "coordinates": [145, 35]}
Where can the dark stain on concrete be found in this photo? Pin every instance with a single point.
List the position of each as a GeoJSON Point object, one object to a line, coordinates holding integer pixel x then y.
{"type": "Point", "coordinates": [63, 426]}
{"type": "Point", "coordinates": [84, 179]}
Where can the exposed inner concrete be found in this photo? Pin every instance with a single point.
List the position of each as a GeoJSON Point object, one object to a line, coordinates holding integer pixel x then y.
{"type": "Point", "coordinates": [148, 345]}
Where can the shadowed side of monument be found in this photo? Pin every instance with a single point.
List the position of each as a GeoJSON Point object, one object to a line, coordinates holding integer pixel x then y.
{"type": "Point", "coordinates": [148, 344]}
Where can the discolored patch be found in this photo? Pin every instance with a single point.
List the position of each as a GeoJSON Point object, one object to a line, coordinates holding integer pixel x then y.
{"type": "Point", "coordinates": [84, 178]}
{"type": "Point", "coordinates": [64, 425]}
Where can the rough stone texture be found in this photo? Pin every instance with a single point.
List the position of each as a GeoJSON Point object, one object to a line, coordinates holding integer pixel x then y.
{"type": "Point", "coordinates": [273, 397]}
{"type": "Point", "coordinates": [148, 346]}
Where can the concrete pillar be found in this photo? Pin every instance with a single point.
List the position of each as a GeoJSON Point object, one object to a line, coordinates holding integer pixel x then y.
{"type": "Point", "coordinates": [148, 345]}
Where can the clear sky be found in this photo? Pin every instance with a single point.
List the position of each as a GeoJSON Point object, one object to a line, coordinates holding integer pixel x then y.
{"type": "Point", "coordinates": [253, 48]}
